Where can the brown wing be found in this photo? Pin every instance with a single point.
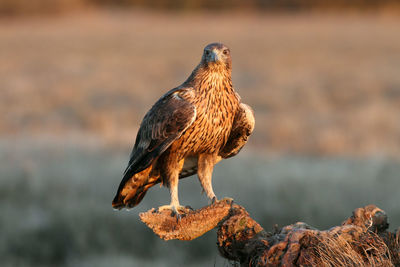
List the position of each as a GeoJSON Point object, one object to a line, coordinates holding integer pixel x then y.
{"type": "Point", "coordinates": [165, 122]}
{"type": "Point", "coordinates": [242, 128]}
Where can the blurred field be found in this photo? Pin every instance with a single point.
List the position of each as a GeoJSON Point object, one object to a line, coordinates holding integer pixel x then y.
{"type": "Point", "coordinates": [56, 203]}
{"type": "Point", "coordinates": [319, 84]}
{"type": "Point", "coordinates": [74, 88]}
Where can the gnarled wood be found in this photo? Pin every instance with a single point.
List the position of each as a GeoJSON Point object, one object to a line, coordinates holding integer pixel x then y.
{"type": "Point", "coordinates": [361, 240]}
{"type": "Point", "coordinates": [191, 225]}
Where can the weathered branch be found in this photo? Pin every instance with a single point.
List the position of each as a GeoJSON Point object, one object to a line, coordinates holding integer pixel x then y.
{"type": "Point", "coordinates": [361, 240]}
{"type": "Point", "coordinates": [191, 225]}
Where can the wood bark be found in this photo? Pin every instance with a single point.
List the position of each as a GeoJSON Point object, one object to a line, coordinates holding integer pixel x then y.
{"type": "Point", "coordinates": [361, 240]}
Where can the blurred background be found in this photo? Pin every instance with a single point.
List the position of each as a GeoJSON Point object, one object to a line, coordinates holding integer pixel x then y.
{"type": "Point", "coordinates": [77, 77]}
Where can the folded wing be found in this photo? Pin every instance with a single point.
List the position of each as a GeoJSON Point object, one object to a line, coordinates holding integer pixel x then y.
{"type": "Point", "coordinates": [242, 128]}
{"type": "Point", "coordinates": [165, 122]}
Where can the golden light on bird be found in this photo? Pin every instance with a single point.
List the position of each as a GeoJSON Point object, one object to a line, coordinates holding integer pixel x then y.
{"type": "Point", "coordinates": [187, 131]}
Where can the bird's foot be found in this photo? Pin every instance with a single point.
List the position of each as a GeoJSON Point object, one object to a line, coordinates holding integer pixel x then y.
{"type": "Point", "coordinates": [187, 207]}
{"type": "Point", "coordinates": [227, 199]}
{"type": "Point", "coordinates": [178, 208]}
{"type": "Point", "coordinates": [178, 211]}
{"type": "Point", "coordinates": [212, 200]}
{"type": "Point", "coordinates": [215, 200]}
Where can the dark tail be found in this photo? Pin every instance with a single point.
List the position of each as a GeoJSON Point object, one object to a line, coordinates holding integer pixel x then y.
{"type": "Point", "coordinates": [134, 187]}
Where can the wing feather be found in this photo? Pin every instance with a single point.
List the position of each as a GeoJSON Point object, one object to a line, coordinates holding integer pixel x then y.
{"type": "Point", "coordinates": [165, 122]}
{"type": "Point", "coordinates": [243, 126]}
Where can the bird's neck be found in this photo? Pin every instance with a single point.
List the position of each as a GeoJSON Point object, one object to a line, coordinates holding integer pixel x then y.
{"type": "Point", "coordinates": [214, 79]}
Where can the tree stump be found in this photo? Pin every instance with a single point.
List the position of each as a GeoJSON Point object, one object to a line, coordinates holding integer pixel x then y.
{"type": "Point", "coordinates": [361, 240]}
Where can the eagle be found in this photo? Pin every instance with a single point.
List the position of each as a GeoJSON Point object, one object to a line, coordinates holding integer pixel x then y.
{"type": "Point", "coordinates": [187, 131]}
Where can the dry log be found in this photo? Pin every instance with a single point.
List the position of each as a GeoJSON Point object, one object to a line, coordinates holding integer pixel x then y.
{"type": "Point", "coordinates": [361, 240]}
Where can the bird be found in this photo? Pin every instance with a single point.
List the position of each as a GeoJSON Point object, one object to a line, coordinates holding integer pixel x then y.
{"type": "Point", "coordinates": [188, 130]}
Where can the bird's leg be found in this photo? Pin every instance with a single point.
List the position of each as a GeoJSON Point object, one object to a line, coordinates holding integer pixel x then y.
{"type": "Point", "coordinates": [175, 206]}
{"type": "Point", "coordinates": [205, 168]}
{"type": "Point", "coordinates": [172, 179]}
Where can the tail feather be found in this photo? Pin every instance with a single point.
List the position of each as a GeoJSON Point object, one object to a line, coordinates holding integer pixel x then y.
{"type": "Point", "coordinates": [135, 189]}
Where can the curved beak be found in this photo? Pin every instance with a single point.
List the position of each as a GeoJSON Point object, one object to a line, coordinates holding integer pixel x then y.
{"type": "Point", "coordinates": [213, 56]}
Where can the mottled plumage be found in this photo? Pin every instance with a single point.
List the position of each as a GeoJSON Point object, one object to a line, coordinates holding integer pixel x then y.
{"type": "Point", "coordinates": [187, 131]}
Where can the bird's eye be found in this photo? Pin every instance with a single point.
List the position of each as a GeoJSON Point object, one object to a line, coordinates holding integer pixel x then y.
{"type": "Point", "coordinates": [226, 51]}
{"type": "Point", "coordinates": [207, 52]}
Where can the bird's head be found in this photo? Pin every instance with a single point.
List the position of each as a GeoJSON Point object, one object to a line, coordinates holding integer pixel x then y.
{"type": "Point", "coordinates": [217, 55]}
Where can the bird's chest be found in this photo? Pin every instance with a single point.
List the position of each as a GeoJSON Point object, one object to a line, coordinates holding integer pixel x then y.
{"type": "Point", "coordinates": [214, 119]}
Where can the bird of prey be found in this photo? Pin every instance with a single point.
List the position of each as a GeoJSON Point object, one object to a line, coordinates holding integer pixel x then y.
{"type": "Point", "coordinates": [187, 131]}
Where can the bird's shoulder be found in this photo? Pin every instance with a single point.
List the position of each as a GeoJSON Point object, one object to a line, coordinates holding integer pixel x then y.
{"type": "Point", "coordinates": [169, 116]}
{"type": "Point", "coordinates": [177, 97]}
{"type": "Point", "coordinates": [183, 93]}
